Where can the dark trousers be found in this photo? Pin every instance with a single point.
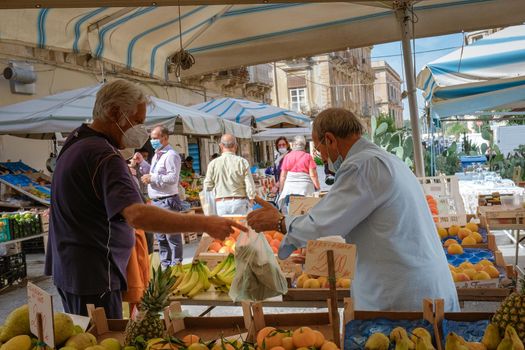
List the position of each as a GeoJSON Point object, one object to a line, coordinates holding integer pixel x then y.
{"type": "Point", "coordinates": [76, 304]}
{"type": "Point", "coordinates": [170, 246]}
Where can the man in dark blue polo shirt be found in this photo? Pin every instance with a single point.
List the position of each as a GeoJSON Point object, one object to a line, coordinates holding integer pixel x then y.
{"type": "Point", "coordinates": [95, 204]}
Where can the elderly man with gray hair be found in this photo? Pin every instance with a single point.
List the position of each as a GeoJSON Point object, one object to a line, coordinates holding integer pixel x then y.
{"type": "Point", "coordinates": [95, 205]}
{"type": "Point", "coordinates": [377, 204]}
{"type": "Point", "coordinates": [298, 172]}
{"type": "Point", "coordinates": [229, 176]}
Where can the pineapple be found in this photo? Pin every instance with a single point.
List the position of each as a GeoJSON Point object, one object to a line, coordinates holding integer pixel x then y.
{"type": "Point", "coordinates": [147, 323]}
{"type": "Point", "coordinates": [512, 312]}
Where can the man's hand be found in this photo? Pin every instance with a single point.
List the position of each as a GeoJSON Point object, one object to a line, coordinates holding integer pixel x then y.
{"type": "Point", "coordinates": [146, 179]}
{"type": "Point", "coordinates": [220, 228]}
{"type": "Point", "coordinates": [264, 219]}
{"type": "Point", "coordinates": [138, 158]}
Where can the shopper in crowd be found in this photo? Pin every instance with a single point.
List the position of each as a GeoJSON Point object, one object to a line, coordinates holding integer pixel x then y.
{"type": "Point", "coordinates": [377, 204]}
{"type": "Point", "coordinates": [298, 172]}
{"type": "Point", "coordinates": [282, 146]}
{"type": "Point", "coordinates": [163, 190]}
{"type": "Point", "coordinates": [95, 205]}
{"type": "Point", "coordinates": [140, 167]}
{"type": "Point", "coordinates": [230, 177]}
{"type": "Point", "coordinates": [187, 165]}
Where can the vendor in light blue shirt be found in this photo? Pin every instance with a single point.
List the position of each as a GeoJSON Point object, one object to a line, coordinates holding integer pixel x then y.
{"type": "Point", "coordinates": [377, 204]}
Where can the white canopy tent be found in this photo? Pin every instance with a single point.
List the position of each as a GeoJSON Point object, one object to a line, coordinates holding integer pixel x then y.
{"type": "Point", "coordinates": [226, 34]}
{"type": "Point", "coordinates": [487, 75]}
{"type": "Point", "coordinates": [248, 112]}
{"type": "Point", "coordinates": [289, 133]}
{"type": "Point", "coordinates": [65, 111]}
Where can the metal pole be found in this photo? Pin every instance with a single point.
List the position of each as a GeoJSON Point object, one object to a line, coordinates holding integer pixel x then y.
{"type": "Point", "coordinates": [404, 17]}
{"type": "Point", "coordinates": [276, 85]}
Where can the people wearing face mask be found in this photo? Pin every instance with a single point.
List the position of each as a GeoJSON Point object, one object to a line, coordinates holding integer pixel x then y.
{"type": "Point", "coordinates": [283, 148]}
{"type": "Point", "coordinates": [95, 205]}
{"type": "Point", "coordinates": [298, 172]}
{"type": "Point", "coordinates": [377, 204]}
{"type": "Point", "coordinates": [163, 190]}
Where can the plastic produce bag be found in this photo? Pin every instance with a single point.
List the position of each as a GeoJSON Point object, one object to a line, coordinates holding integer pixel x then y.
{"type": "Point", "coordinates": [258, 275]}
{"type": "Point", "coordinates": [208, 202]}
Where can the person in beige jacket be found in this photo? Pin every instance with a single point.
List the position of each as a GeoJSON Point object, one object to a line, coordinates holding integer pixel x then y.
{"type": "Point", "coordinates": [229, 176]}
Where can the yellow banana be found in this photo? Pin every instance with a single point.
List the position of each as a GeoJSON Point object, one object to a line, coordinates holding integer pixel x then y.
{"type": "Point", "coordinates": [179, 280]}
{"type": "Point", "coordinates": [219, 267]}
{"type": "Point", "coordinates": [193, 279]}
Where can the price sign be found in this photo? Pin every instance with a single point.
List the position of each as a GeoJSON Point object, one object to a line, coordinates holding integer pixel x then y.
{"type": "Point", "coordinates": [317, 262]}
{"type": "Point", "coordinates": [301, 205]}
{"type": "Point", "coordinates": [41, 304]}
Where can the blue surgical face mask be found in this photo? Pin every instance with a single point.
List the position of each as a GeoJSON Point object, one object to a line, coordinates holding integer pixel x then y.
{"type": "Point", "coordinates": [155, 143]}
{"type": "Point", "coordinates": [333, 166]}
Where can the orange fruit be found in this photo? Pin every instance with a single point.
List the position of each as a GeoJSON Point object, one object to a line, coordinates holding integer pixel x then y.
{"type": "Point", "coordinates": [268, 237]}
{"type": "Point", "coordinates": [288, 343]}
{"type": "Point", "coordinates": [278, 235]}
{"type": "Point", "coordinates": [273, 339]}
{"type": "Point", "coordinates": [275, 243]}
{"type": "Point", "coordinates": [319, 339]}
{"type": "Point", "coordinates": [275, 249]}
{"type": "Point", "coordinates": [190, 339]}
{"type": "Point", "coordinates": [329, 346]}
{"type": "Point", "coordinates": [450, 241]}
{"type": "Point", "coordinates": [215, 246]}
{"type": "Point", "coordinates": [304, 337]}
{"type": "Point", "coordinates": [455, 249]}
{"type": "Point", "coordinates": [277, 348]}
{"type": "Point", "coordinates": [464, 233]}
{"type": "Point", "coordinates": [224, 250]}
{"type": "Point", "coordinates": [263, 333]}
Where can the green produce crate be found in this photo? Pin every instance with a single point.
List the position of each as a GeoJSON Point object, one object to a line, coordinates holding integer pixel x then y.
{"type": "Point", "coordinates": [4, 230]}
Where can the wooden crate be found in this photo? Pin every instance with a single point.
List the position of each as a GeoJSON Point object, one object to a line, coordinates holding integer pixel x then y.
{"type": "Point", "coordinates": [190, 237]}
{"type": "Point", "coordinates": [321, 321]}
{"type": "Point", "coordinates": [210, 328]}
{"type": "Point", "coordinates": [207, 328]}
{"type": "Point", "coordinates": [313, 294]}
{"type": "Point", "coordinates": [502, 218]}
{"type": "Point", "coordinates": [441, 315]}
{"type": "Point", "coordinates": [427, 314]}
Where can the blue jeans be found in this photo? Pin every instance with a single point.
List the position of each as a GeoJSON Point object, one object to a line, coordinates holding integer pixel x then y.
{"type": "Point", "coordinates": [170, 246]}
{"type": "Point", "coordinates": [232, 207]}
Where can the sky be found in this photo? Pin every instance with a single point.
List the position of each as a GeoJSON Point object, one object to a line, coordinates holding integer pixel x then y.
{"type": "Point", "coordinates": [438, 45]}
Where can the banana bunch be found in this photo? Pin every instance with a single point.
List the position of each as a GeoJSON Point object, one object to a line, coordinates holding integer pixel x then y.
{"type": "Point", "coordinates": [194, 281]}
{"type": "Point", "coordinates": [222, 275]}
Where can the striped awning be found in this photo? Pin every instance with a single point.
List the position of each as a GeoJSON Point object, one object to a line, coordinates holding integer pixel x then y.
{"type": "Point", "coordinates": [225, 36]}
{"type": "Point", "coordinates": [488, 74]}
{"type": "Point", "coordinates": [248, 112]}
{"type": "Point", "coordinates": [65, 111]}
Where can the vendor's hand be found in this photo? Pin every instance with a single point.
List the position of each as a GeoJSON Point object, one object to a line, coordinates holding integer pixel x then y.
{"type": "Point", "coordinates": [264, 219]}
{"type": "Point", "coordinates": [220, 228]}
{"type": "Point", "coordinates": [146, 179]}
{"type": "Point", "coordinates": [138, 158]}
{"type": "Point", "coordinates": [301, 258]}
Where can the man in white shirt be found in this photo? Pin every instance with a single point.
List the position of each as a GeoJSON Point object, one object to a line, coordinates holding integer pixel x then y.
{"type": "Point", "coordinates": [377, 204]}
{"type": "Point", "coordinates": [230, 177]}
{"type": "Point", "coordinates": [163, 190]}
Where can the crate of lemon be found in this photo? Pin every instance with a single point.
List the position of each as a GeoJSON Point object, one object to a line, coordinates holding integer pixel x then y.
{"type": "Point", "coordinates": [314, 288]}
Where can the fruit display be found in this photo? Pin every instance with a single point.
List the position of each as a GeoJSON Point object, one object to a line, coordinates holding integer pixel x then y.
{"type": "Point", "coordinates": [419, 339]}
{"type": "Point", "coordinates": [491, 339]}
{"type": "Point", "coordinates": [432, 204]}
{"type": "Point", "coordinates": [512, 312]}
{"type": "Point", "coordinates": [274, 238]}
{"type": "Point", "coordinates": [270, 338]}
{"type": "Point", "coordinates": [26, 180]}
{"type": "Point", "coordinates": [195, 278]}
{"type": "Point", "coordinates": [466, 271]}
{"type": "Point", "coordinates": [310, 281]}
{"type": "Point", "coordinates": [470, 234]}
{"type": "Point", "coordinates": [15, 333]}
{"type": "Point", "coordinates": [22, 224]}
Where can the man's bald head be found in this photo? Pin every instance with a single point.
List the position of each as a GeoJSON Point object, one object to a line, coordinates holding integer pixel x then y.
{"type": "Point", "coordinates": [228, 143]}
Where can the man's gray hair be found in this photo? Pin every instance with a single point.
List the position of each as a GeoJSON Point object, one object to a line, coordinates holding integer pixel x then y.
{"type": "Point", "coordinates": [340, 122]}
{"type": "Point", "coordinates": [122, 94]}
{"type": "Point", "coordinates": [228, 141]}
{"type": "Point", "coordinates": [298, 143]}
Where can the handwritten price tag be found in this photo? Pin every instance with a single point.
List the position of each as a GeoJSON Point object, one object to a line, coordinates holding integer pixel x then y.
{"type": "Point", "coordinates": [41, 302]}
{"type": "Point", "coordinates": [301, 205]}
{"type": "Point", "coordinates": [317, 262]}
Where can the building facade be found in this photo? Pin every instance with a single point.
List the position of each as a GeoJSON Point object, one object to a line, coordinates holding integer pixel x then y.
{"type": "Point", "coordinates": [339, 79]}
{"type": "Point", "coordinates": [59, 71]}
{"type": "Point", "coordinates": [387, 92]}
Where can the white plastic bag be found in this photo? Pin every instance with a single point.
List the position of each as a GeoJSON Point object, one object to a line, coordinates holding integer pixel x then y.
{"type": "Point", "coordinates": [208, 202]}
{"type": "Point", "coordinates": [258, 275]}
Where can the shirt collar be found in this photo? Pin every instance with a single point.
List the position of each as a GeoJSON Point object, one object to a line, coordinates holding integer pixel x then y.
{"type": "Point", "coordinates": [357, 147]}
{"type": "Point", "coordinates": [164, 150]}
{"type": "Point", "coordinates": [227, 152]}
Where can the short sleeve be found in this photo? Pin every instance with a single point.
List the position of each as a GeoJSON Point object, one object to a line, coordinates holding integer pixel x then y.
{"type": "Point", "coordinates": [115, 185]}
{"type": "Point", "coordinates": [311, 162]}
{"type": "Point", "coordinates": [285, 163]}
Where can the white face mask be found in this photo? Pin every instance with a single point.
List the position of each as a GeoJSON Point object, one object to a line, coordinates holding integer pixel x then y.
{"type": "Point", "coordinates": [127, 153]}
{"type": "Point", "coordinates": [136, 136]}
{"type": "Point", "coordinates": [283, 150]}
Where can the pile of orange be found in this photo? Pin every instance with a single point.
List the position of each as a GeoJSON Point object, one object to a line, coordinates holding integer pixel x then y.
{"type": "Point", "coordinates": [432, 204]}
{"type": "Point", "coordinates": [270, 338]}
{"type": "Point", "coordinates": [274, 238]}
